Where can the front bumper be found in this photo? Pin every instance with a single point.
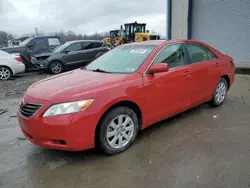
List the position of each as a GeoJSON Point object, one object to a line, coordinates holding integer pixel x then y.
{"type": "Point", "coordinates": [72, 132]}
{"type": "Point", "coordinates": [41, 64]}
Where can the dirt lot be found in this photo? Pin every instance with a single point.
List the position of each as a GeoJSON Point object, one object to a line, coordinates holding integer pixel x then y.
{"type": "Point", "coordinates": [204, 147]}
{"type": "Point", "coordinates": [18, 84]}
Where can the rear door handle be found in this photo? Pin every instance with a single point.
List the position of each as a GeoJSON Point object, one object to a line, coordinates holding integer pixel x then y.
{"type": "Point", "coordinates": [187, 73]}
{"type": "Point", "coordinates": [217, 64]}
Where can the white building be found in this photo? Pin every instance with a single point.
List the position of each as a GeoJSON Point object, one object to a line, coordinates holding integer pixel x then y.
{"type": "Point", "coordinates": [224, 24]}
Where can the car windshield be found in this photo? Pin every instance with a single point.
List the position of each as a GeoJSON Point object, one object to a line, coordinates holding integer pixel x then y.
{"type": "Point", "coordinates": [115, 33]}
{"type": "Point", "coordinates": [123, 59]}
{"type": "Point", "coordinates": [57, 48]}
{"type": "Point", "coordinates": [26, 41]}
{"type": "Point", "coordinates": [61, 48]}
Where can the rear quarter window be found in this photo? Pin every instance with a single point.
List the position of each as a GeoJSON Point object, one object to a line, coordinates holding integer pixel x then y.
{"type": "Point", "coordinates": [53, 41]}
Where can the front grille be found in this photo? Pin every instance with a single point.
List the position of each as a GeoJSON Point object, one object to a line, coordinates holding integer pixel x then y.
{"type": "Point", "coordinates": [29, 109]}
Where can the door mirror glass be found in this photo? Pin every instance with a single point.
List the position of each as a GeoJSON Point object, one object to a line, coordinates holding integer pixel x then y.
{"type": "Point", "coordinates": [158, 67]}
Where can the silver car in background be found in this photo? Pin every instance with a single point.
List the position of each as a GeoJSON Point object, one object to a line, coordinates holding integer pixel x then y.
{"type": "Point", "coordinates": [10, 64]}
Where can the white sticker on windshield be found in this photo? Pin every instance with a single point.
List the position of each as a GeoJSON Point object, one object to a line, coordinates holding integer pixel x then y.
{"type": "Point", "coordinates": [138, 51]}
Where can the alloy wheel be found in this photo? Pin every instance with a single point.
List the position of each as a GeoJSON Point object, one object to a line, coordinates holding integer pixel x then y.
{"type": "Point", "coordinates": [56, 68]}
{"type": "Point", "coordinates": [5, 73]}
{"type": "Point", "coordinates": [120, 131]}
{"type": "Point", "coordinates": [221, 92]}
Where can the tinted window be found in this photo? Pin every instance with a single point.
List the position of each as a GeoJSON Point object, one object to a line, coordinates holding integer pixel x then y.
{"type": "Point", "coordinates": [196, 52]}
{"type": "Point", "coordinates": [85, 45]}
{"type": "Point", "coordinates": [93, 45]}
{"type": "Point", "coordinates": [122, 59]}
{"type": "Point", "coordinates": [173, 55]}
{"type": "Point", "coordinates": [74, 47]}
{"type": "Point", "coordinates": [40, 43]}
{"type": "Point", "coordinates": [210, 54]}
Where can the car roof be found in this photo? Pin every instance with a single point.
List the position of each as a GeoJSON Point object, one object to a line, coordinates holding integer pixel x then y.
{"type": "Point", "coordinates": [44, 37]}
{"type": "Point", "coordinates": [74, 41]}
{"type": "Point", "coordinates": [163, 42]}
{"type": "Point", "coordinates": [149, 42]}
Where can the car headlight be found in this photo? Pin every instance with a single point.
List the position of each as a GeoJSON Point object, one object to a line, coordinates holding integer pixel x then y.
{"type": "Point", "coordinates": [67, 108]}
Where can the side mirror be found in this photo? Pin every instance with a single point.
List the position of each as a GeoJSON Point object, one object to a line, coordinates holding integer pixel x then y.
{"type": "Point", "coordinates": [66, 51]}
{"type": "Point", "coordinates": [158, 67]}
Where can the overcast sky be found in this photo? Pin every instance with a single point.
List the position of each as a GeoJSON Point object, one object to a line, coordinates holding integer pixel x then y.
{"type": "Point", "coordinates": [81, 16]}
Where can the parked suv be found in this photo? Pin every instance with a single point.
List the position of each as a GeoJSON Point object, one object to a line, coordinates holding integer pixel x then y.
{"type": "Point", "coordinates": [33, 46]}
{"type": "Point", "coordinates": [72, 54]}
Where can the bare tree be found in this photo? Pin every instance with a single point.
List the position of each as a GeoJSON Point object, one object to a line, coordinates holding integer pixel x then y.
{"type": "Point", "coordinates": [4, 37]}
{"type": "Point", "coordinates": [63, 36]}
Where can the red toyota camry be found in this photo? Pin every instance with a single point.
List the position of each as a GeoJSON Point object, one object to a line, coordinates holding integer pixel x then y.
{"type": "Point", "coordinates": [123, 91]}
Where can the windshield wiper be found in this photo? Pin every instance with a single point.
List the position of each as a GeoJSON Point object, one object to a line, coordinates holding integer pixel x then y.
{"type": "Point", "coordinates": [100, 70]}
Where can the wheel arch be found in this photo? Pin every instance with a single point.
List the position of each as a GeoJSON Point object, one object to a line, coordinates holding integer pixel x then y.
{"type": "Point", "coordinates": [227, 78]}
{"type": "Point", "coordinates": [56, 60]}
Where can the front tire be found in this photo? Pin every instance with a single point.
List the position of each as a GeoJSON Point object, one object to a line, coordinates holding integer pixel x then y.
{"type": "Point", "coordinates": [117, 130]}
{"type": "Point", "coordinates": [220, 93]}
{"type": "Point", "coordinates": [56, 67]}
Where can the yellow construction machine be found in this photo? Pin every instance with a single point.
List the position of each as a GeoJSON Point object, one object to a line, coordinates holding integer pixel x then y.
{"type": "Point", "coordinates": [136, 32]}
{"type": "Point", "coordinates": [116, 37]}
{"type": "Point", "coordinates": [133, 32]}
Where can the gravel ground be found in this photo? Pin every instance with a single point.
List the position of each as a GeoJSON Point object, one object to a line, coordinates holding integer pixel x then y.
{"type": "Point", "coordinates": [18, 84]}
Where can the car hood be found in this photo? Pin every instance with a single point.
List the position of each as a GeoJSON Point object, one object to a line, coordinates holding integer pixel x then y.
{"type": "Point", "coordinates": [14, 49]}
{"type": "Point", "coordinates": [72, 85]}
{"type": "Point", "coordinates": [45, 54]}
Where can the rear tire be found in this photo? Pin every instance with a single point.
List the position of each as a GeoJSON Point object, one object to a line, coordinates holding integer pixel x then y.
{"type": "Point", "coordinates": [220, 93]}
{"type": "Point", "coordinates": [117, 130]}
{"type": "Point", "coordinates": [5, 73]}
{"type": "Point", "coordinates": [55, 67]}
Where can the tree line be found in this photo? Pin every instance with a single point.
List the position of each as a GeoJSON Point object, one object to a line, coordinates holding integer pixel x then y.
{"type": "Point", "coordinates": [64, 36]}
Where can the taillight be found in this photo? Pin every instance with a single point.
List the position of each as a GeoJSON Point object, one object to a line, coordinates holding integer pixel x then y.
{"type": "Point", "coordinates": [18, 58]}
{"type": "Point", "coordinates": [233, 62]}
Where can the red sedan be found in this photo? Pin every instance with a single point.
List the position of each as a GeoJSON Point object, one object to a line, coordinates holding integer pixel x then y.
{"type": "Point", "coordinates": [123, 91]}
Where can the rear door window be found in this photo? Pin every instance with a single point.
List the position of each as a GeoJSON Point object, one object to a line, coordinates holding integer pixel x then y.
{"type": "Point", "coordinates": [93, 45]}
{"type": "Point", "coordinates": [210, 54]}
{"type": "Point", "coordinates": [196, 53]}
